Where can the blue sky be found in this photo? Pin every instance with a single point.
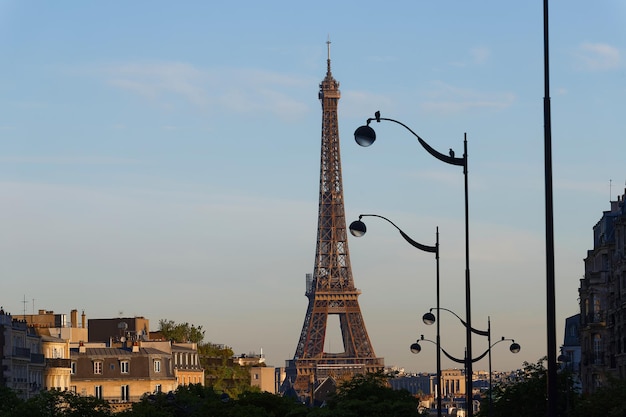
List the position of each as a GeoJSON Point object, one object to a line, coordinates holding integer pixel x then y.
{"type": "Point", "coordinates": [162, 159]}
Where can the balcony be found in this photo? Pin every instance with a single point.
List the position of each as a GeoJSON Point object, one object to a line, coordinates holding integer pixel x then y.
{"type": "Point", "coordinates": [37, 358]}
{"type": "Point", "coordinates": [58, 363]}
{"type": "Point", "coordinates": [595, 318]}
{"type": "Point", "coordinates": [21, 352]}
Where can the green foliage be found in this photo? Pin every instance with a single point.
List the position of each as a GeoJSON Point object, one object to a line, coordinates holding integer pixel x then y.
{"type": "Point", "coordinates": [181, 332]}
{"type": "Point", "coordinates": [369, 395]}
{"type": "Point", "coordinates": [221, 372]}
{"type": "Point", "coordinates": [271, 404]}
{"type": "Point", "coordinates": [196, 401]}
{"type": "Point", "coordinates": [9, 401]}
{"type": "Point", "coordinates": [527, 397]}
{"type": "Point", "coordinates": [607, 401]}
{"type": "Point", "coordinates": [59, 404]}
{"type": "Point", "coordinates": [215, 351]}
{"type": "Point", "coordinates": [188, 400]}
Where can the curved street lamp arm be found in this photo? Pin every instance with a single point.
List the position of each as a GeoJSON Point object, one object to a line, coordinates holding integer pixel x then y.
{"type": "Point", "coordinates": [482, 355]}
{"type": "Point", "coordinates": [425, 248]}
{"type": "Point", "coordinates": [457, 360]}
{"type": "Point", "coordinates": [442, 157]}
{"type": "Point", "coordinates": [452, 358]}
{"type": "Point", "coordinates": [476, 331]}
{"type": "Point", "coordinates": [502, 340]}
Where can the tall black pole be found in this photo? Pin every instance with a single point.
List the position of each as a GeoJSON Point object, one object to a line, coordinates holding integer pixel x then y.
{"type": "Point", "coordinates": [550, 286]}
{"type": "Point", "coordinates": [438, 391]}
{"type": "Point", "coordinates": [490, 372]}
{"type": "Point", "coordinates": [468, 302]}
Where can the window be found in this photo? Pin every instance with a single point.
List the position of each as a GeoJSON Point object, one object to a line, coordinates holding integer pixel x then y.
{"type": "Point", "coordinates": [124, 367]}
{"type": "Point", "coordinates": [157, 366]}
{"type": "Point", "coordinates": [97, 368]}
{"type": "Point", "coordinates": [597, 350]}
{"type": "Point", "coordinates": [98, 391]}
{"type": "Point", "coordinates": [73, 368]}
{"type": "Point", "coordinates": [125, 393]}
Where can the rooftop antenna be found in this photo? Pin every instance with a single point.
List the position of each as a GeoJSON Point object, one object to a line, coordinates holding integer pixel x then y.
{"type": "Point", "coordinates": [610, 190]}
{"type": "Point", "coordinates": [24, 302]}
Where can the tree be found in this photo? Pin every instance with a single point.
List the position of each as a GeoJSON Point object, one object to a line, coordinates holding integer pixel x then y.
{"type": "Point", "coordinates": [369, 395]}
{"type": "Point", "coordinates": [267, 404]}
{"type": "Point", "coordinates": [607, 401]}
{"type": "Point", "coordinates": [9, 401]}
{"type": "Point", "coordinates": [527, 395]}
{"type": "Point", "coordinates": [61, 404]}
{"type": "Point", "coordinates": [198, 401]}
{"type": "Point", "coordinates": [181, 332]}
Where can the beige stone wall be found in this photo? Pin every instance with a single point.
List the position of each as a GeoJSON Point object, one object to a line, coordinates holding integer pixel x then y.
{"type": "Point", "coordinates": [112, 389]}
{"type": "Point", "coordinates": [188, 377]}
{"type": "Point", "coordinates": [57, 378]}
{"type": "Point", "coordinates": [264, 378]}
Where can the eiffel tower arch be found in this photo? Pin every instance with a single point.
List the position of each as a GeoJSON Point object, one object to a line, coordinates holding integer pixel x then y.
{"type": "Point", "coordinates": [330, 289]}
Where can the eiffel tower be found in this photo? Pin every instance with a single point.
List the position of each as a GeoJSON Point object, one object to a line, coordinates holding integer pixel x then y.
{"type": "Point", "coordinates": [331, 289]}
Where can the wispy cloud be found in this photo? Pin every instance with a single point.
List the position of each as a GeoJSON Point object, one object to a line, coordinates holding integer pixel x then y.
{"type": "Point", "coordinates": [480, 54]}
{"type": "Point", "coordinates": [167, 84]}
{"type": "Point", "coordinates": [445, 98]}
{"type": "Point", "coordinates": [477, 55]}
{"type": "Point", "coordinates": [597, 57]}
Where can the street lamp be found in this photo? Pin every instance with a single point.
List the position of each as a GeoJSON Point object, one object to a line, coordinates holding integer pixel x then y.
{"type": "Point", "coordinates": [550, 273]}
{"type": "Point", "coordinates": [365, 136]}
{"type": "Point", "coordinates": [417, 348]}
{"type": "Point", "coordinates": [358, 229]}
{"type": "Point", "coordinates": [429, 319]}
{"type": "Point", "coordinates": [514, 348]}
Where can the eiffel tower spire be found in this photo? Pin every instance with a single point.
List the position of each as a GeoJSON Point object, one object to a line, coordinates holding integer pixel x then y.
{"type": "Point", "coordinates": [331, 288]}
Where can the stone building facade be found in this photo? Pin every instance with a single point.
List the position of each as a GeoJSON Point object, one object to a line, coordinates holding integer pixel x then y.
{"type": "Point", "coordinates": [602, 297]}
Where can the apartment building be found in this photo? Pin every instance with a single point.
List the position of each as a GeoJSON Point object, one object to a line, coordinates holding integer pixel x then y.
{"type": "Point", "coordinates": [57, 373]}
{"type": "Point", "coordinates": [44, 351]}
{"type": "Point", "coordinates": [121, 375]}
{"type": "Point", "coordinates": [187, 368]}
{"type": "Point", "coordinates": [23, 362]}
{"type": "Point", "coordinates": [602, 297]}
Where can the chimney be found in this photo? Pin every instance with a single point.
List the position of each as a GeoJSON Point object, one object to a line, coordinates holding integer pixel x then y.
{"type": "Point", "coordinates": [81, 347]}
{"type": "Point", "coordinates": [74, 318]}
{"type": "Point", "coordinates": [135, 347]}
{"type": "Point", "coordinates": [83, 318]}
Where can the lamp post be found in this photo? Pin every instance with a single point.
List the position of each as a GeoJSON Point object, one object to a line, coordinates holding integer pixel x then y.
{"type": "Point", "coordinates": [358, 229]}
{"type": "Point", "coordinates": [429, 319]}
{"type": "Point", "coordinates": [514, 348]}
{"type": "Point", "coordinates": [365, 136]}
{"type": "Point", "coordinates": [550, 274]}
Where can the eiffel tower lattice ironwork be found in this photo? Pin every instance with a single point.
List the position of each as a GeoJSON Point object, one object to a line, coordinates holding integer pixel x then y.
{"type": "Point", "coordinates": [331, 289]}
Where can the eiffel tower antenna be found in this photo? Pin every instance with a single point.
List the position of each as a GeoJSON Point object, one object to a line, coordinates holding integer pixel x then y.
{"type": "Point", "coordinates": [331, 289]}
{"type": "Point", "coordinates": [328, 59]}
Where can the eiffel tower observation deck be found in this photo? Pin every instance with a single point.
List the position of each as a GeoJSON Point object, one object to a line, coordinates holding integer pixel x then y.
{"type": "Point", "coordinates": [330, 289]}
